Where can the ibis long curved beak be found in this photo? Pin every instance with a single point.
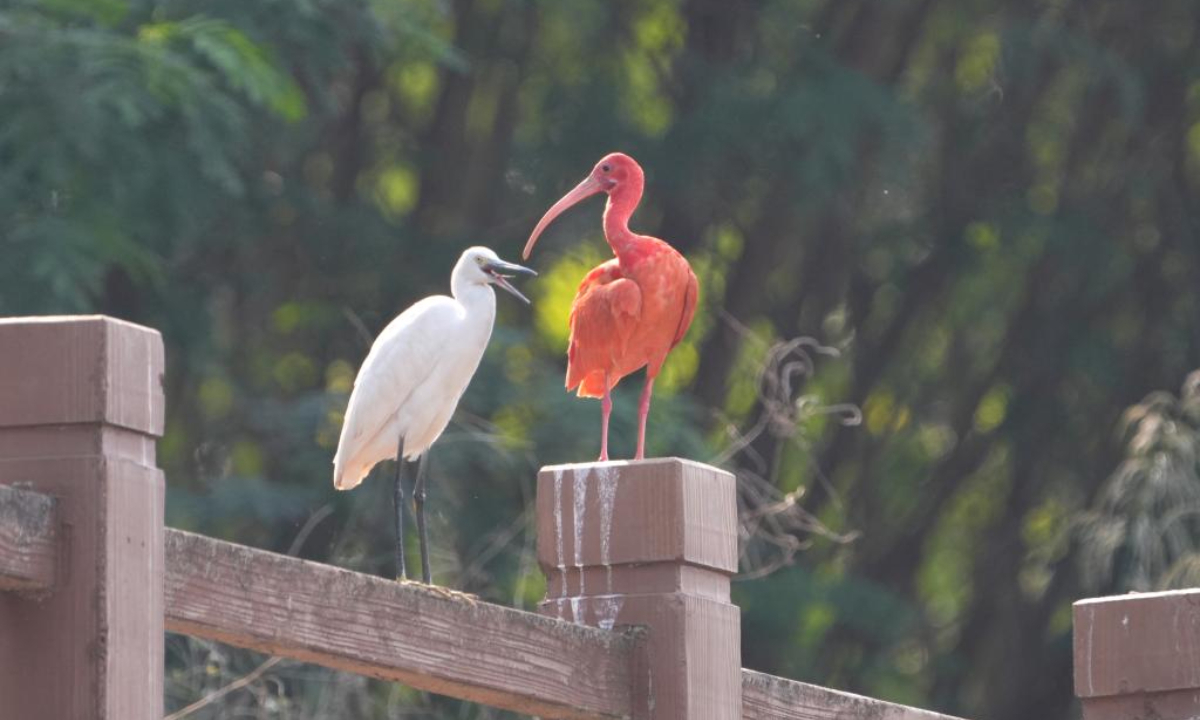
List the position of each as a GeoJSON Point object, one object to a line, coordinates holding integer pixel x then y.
{"type": "Point", "coordinates": [589, 187]}
{"type": "Point", "coordinates": [500, 271]}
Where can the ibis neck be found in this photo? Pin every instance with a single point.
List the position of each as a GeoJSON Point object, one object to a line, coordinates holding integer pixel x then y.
{"type": "Point", "coordinates": [621, 204]}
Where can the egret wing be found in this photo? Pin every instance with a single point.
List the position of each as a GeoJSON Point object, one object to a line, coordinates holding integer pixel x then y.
{"type": "Point", "coordinates": [401, 358]}
{"type": "Point", "coordinates": [603, 317]}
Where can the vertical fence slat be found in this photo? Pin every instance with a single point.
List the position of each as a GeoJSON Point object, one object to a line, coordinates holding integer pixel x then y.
{"type": "Point", "coordinates": [81, 405]}
{"type": "Point", "coordinates": [650, 543]}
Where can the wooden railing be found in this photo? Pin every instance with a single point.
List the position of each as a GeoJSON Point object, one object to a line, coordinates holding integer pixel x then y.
{"type": "Point", "coordinates": [637, 622]}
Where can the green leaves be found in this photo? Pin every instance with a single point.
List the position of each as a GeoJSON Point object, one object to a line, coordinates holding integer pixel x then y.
{"type": "Point", "coordinates": [243, 65]}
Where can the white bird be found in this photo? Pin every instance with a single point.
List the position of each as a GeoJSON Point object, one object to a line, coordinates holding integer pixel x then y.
{"type": "Point", "coordinates": [412, 379]}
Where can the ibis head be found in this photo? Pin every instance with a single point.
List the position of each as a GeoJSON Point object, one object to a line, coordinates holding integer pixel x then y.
{"type": "Point", "coordinates": [616, 174]}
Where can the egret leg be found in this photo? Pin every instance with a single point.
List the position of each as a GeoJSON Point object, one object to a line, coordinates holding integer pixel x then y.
{"type": "Point", "coordinates": [605, 411]}
{"type": "Point", "coordinates": [398, 502]}
{"type": "Point", "coordinates": [643, 413]}
{"type": "Point", "coordinates": [419, 506]}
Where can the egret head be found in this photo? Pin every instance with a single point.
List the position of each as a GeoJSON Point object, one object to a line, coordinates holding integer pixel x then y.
{"type": "Point", "coordinates": [614, 174]}
{"type": "Point", "coordinates": [482, 266]}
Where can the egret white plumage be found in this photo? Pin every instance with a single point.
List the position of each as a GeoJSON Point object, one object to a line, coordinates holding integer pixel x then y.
{"type": "Point", "coordinates": [412, 379]}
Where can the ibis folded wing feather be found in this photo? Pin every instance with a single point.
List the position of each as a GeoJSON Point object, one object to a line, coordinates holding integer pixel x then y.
{"type": "Point", "coordinates": [603, 317]}
{"type": "Point", "coordinates": [691, 296]}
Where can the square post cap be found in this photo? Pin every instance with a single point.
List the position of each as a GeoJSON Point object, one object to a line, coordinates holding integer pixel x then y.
{"type": "Point", "coordinates": [610, 514]}
{"type": "Point", "coordinates": [63, 370]}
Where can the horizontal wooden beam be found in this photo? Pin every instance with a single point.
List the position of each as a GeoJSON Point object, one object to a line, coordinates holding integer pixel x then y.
{"type": "Point", "coordinates": [424, 637]}
{"type": "Point", "coordinates": [767, 697]}
{"type": "Point", "coordinates": [27, 540]}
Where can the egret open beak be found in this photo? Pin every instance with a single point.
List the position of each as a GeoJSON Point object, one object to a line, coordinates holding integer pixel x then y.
{"type": "Point", "coordinates": [500, 271]}
{"type": "Point", "coordinates": [589, 187]}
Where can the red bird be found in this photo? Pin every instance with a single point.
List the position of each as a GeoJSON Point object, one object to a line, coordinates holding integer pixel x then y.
{"type": "Point", "coordinates": [631, 311]}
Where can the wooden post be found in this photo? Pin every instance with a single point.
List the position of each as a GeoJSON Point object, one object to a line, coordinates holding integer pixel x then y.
{"type": "Point", "coordinates": [1137, 656]}
{"type": "Point", "coordinates": [650, 543]}
{"type": "Point", "coordinates": [81, 405]}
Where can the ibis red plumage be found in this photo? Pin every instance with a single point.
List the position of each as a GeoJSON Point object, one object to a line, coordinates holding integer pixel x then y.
{"type": "Point", "coordinates": [631, 311]}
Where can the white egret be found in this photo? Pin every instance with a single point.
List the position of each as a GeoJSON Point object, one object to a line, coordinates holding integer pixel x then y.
{"type": "Point", "coordinates": [412, 379]}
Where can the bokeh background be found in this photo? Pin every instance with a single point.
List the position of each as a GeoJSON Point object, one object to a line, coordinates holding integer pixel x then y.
{"type": "Point", "coordinates": [948, 252]}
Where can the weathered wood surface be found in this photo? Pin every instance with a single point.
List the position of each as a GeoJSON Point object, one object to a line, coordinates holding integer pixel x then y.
{"type": "Point", "coordinates": [326, 596]}
{"type": "Point", "coordinates": [81, 404]}
{"type": "Point", "coordinates": [767, 697]}
{"type": "Point", "coordinates": [81, 369]}
{"type": "Point", "coordinates": [27, 537]}
{"type": "Point", "coordinates": [1138, 655]}
{"type": "Point", "coordinates": [650, 543]}
{"type": "Point", "coordinates": [405, 632]}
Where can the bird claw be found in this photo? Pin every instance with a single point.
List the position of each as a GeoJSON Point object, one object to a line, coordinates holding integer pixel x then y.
{"type": "Point", "coordinates": [442, 592]}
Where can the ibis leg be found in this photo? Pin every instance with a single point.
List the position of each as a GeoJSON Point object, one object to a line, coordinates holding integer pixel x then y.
{"type": "Point", "coordinates": [419, 507]}
{"type": "Point", "coordinates": [398, 502]}
{"type": "Point", "coordinates": [605, 411]}
{"type": "Point", "coordinates": [643, 413]}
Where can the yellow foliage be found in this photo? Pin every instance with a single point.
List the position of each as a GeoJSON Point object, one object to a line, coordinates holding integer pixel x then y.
{"type": "Point", "coordinates": [518, 364]}
{"type": "Point", "coordinates": [396, 190]}
{"type": "Point", "coordinates": [215, 397]}
{"type": "Point", "coordinates": [294, 371]}
{"type": "Point", "coordinates": [513, 423]}
{"type": "Point", "coordinates": [679, 369]}
{"type": "Point", "coordinates": [978, 62]}
{"type": "Point", "coordinates": [339, 377]}
{"type": "Point", "coordinates": [1193, 142]}
{"type": "Point", "coordinates": [247, 459]}
{"type": "Point", "coordinates": [879, 411]}
{"type": "Point", "coordinates": [416, 84]}
{"type": "Point", "coordinates": [557, 289]}
{"type": "Point", "coordinates": [287, 317]}
{"type": "Point", "coordinates": [984, 237]}
{"type": "Point", "coordinates": [992, 409]}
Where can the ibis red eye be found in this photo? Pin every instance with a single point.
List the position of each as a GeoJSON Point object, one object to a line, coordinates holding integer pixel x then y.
{"type": "Point", "coordinates": [605, 167]}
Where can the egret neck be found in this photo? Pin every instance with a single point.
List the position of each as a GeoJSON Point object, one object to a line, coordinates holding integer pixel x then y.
{"type": "Point", "coordinates": [477, 299]}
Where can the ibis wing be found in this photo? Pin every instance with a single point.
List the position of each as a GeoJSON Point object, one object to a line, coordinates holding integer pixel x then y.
{"type": "Point", "coordinates": [603, 316]}
{"type": "Point", "coordinates": [401, 358]}
{"type": "Point", "coordinates": [691, 296]}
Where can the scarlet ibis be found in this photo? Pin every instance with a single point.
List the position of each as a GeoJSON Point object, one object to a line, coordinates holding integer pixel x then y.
{"type": "Point", "coordinates": [412, 379]}
{"type": "Point", "coordinates": [629, 312]}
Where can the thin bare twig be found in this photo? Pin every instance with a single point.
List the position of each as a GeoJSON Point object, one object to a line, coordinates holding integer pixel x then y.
{"type": "Point", "coordinates": [773, 526]}
{"type": "Point", "coordinates": [216, 695]}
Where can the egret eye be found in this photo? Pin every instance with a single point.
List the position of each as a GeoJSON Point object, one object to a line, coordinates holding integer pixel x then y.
{"type": "Point", "coordinates": [605, 167]}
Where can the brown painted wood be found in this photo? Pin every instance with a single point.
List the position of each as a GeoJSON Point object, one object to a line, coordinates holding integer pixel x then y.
{"type": "Point", "coordinates": [80, 406]}
{"type": "Point", "coordinates": [1138, 655]}
{"type": "Point", "coordinates": [27, 541]}
{"type": "Point", "coordinates": [650, 543]}
{"type": "Point", "coordinates": [427, 638]}
{"type": "Point", "coordinates": [766, 697]}
{"type": "Point", "coordinates": [283, 606]}
{"type": "Point", "coordinates": [81, 369]}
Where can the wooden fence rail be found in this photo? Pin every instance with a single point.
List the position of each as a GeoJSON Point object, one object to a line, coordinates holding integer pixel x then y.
{"type": "Point", "coordinates": [90, 580]}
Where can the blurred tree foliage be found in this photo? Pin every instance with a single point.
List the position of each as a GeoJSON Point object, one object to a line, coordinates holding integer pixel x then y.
{"type": "Point", "coordinates": [987, 207]}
